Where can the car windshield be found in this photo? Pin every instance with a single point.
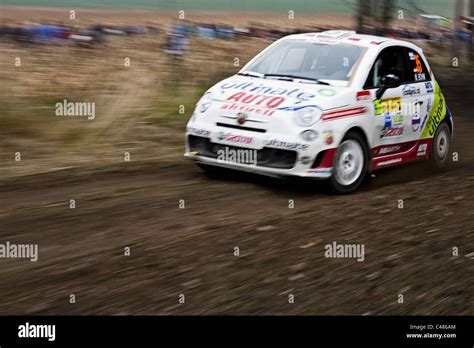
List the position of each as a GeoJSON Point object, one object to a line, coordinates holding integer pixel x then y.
{"type": "Point", "coordinates": [306, 59]}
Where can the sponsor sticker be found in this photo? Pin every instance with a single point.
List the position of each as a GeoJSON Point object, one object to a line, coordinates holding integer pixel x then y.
{"type": "Point", "coordinates": [422, 148]}
{"type": "Point", "coordinates": [424, 121]}
{"type": "Point", "coordinates": [254, 92]}
{"type": "Point", "coordinates": [391, 119]}
{"type": "Point", "coordinates": [429, 87]}
{"type": "Point", "coordinates": [323, 40]}
{"type": "Point", "coordinates": [256, 99]}
{"type": "Point", "coordinates": [389, 149]}
{"type": "Point", "coordinates": [420, 77]}
{"type": "Point", "coordinates": [416, 122]}
{"type": "Point", "coordinates": [328, 137]}
{"type": "Point", "coordinates": [392, 161]}
{"type": "Point", "coordinates": [436, 117]}
{"type": "Point", "coordinates": [429, 104]}
{"type": "Point", "coordinates": [408, 90]}
{"type": "Point", "coordinates": [397, 118]}
{"type": "Point", "coordinates": [287, 145]}
{"type": "Point", "coordinates": [248, 109]}
{"type": "Point", "coordinates": [363, 95]}
{"type": "Point", "coordinates": [318, 172]}
{"type": "Point", "coordinates": [327, 92]}
{"type": "Point", "coordinates": [393, 132]}
{"type": "Point", "coordinates": [234, 138]}
{"type": "Point", "coordinates": [387, 121]}
{"type": "Point", "coordinates": [387, 105]}
{"type": "Point", "coordinates": [198, 132]}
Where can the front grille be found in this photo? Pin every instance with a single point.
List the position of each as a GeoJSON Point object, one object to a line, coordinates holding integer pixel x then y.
{"type": "Point", "coordinates": [266, 157]}
{"type": "Point", "coordinates": [251, 129]}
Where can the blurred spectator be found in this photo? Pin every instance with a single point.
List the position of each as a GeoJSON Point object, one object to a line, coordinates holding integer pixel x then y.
{"type": "Point", "coordinates": [176, 44]}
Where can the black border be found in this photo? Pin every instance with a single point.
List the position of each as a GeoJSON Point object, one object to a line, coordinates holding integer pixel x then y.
{"type": "Point", "coordinates": [139, 330]}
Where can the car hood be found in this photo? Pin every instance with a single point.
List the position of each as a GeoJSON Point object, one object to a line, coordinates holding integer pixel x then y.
{"type": "Point", "coordinates": [275, 94]}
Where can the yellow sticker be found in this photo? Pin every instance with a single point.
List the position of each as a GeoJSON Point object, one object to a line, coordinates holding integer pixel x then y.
{"type": "Point", "coordinates": [388, 105]}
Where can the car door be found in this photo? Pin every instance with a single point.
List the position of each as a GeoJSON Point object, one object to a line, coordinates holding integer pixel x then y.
{"type": "Point", "coordinates": [419, 88]}
{"type": "Point", "coordinates": [390, 123]}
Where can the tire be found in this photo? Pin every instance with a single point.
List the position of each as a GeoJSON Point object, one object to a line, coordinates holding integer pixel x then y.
{"type": "Point", "coordinates": [439, 153]}
{"type": "Point", "coordinates": [350, 164]}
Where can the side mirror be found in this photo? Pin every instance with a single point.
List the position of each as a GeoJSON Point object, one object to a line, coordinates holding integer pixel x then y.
{"type": "Point", "coordinates": [386, 82]}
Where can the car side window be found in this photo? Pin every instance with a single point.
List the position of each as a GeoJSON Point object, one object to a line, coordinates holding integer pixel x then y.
{"type": "Point", "coordinates": [391, 60]}
{"type": "Point", "coordinates": [417, 67]}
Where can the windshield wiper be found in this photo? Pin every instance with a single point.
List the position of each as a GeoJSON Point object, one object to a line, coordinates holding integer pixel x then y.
{"type": "Point", "coordinates": [298, 77]}
{"type": "Point", "coordinates": [251, 73]}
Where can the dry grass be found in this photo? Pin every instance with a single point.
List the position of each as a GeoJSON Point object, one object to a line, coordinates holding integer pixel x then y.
{"type": "Point", "coordinates": [136, 106]}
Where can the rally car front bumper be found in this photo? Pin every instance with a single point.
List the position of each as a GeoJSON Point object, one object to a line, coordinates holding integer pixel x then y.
{"type": "Point", "coordinates": [269, 161]}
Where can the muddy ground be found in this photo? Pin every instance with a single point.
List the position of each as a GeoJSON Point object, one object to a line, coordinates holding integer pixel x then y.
{"type": "Point", "coordinates": [190, 251]}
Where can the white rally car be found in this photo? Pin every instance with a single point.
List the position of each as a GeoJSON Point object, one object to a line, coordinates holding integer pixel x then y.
{"type": "Point", "coordinates": [332, 105]}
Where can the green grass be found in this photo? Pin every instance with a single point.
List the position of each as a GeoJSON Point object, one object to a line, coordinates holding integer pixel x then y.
{"type": "Point", "coordinates": [440, 7]}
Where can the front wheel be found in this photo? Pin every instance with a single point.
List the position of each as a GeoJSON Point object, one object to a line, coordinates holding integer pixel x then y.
{"type": "Point", "coordinates": [350, 164]}
{"type": "Point", "coordinates": [441, 145]}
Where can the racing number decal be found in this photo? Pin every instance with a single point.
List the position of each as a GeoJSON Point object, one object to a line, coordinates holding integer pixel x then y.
{"type": "Point", "coordinates": [419, 67]}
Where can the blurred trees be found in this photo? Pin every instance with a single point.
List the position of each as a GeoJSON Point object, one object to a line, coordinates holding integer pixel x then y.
{"type": "Point", "coordinates": [458, 7]}
{"type": "Point", "coordinates": [471, 13]}
{"type": "Point", "coordinates": [375, 16]}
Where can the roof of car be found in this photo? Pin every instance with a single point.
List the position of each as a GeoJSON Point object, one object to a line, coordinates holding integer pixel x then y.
{"type": "Point", "coordinates": [345, 36]}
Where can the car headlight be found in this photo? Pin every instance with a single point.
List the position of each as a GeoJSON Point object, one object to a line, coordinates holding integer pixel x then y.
{"type": "Point", "coordinates": [205, 102]}
{"type": "Point", "coordinates": [309, 135]}
{"type": "Point", "coordinates": [306, 117]}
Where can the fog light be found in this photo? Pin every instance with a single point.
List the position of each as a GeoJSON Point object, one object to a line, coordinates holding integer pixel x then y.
{"type": "Point", "coordinates": [309, 135]}
{"type": "Point", "coordinates": [305, 160]}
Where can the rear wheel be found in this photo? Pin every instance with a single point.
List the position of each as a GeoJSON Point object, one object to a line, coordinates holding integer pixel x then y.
{"type": "Point", "coordinates": [441, 146]}
{"type": "Point", "coordinates": [350, 164]}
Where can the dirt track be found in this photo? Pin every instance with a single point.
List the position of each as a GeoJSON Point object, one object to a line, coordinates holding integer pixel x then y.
{"type": "Point", "coordinates": [190, 251]}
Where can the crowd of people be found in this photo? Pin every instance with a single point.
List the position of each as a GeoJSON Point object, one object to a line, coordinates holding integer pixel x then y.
{"type": "Point", "coordinates": [44, 33]}
{"type": "Point", "coordinates": [178, 34]}
{"type": "Point", "coordinates": [56, 34]}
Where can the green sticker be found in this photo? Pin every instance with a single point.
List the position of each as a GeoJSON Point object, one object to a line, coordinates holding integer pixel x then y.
{"type": "Point", "coordinates": [398, 118]}
{"type": "Point", "coordinates": [327, 92]}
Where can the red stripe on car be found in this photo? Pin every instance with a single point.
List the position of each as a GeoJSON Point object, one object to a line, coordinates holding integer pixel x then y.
{"type": "Point", "coordinates": [331, 115]}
